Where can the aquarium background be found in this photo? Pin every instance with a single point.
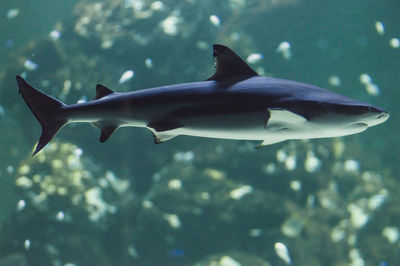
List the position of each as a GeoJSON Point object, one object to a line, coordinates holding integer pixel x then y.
{"type": "Point", "coordinates": [194, 201]}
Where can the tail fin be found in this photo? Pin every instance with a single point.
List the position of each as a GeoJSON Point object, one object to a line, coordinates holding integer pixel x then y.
{"type": "Point", "coordinates": [47, 110]}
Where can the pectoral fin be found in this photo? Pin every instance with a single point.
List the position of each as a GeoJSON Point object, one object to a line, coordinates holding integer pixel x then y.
{"type": "Point", "coordinates": [283, 117]}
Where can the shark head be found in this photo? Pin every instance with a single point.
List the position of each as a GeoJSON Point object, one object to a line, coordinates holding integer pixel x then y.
{"type": "Point", "coordinates": [324, 119]}
{"type": "Point", "coordinates": [370, 115]}
{"type": "Point", "coordinates": [354, 118]}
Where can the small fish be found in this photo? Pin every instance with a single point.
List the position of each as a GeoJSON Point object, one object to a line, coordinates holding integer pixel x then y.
{"type": "Point", "coordinates": [214, 19]}
{"type": "Point", "coordinates": [126, 76]}
{"type": "Point", "coordinates": [234, 103]}
{"type": "Point", "coordinates": [12, 13]}
{"type": "Point", "coordinates": [30, 65]}
{"type": "Point", "coordinates": [254, 58]}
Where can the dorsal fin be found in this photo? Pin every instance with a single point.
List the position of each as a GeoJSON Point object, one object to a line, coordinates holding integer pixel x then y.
{"type": "Point", "coordinates": [102, 91]}
{"type": "Point", "coordinates": [229, 65]}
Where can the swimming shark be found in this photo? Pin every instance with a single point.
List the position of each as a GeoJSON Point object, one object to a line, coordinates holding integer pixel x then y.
{"type": "Point", "coordinates": [234, 103]}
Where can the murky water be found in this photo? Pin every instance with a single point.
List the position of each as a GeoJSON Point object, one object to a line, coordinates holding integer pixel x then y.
{"type": "Point", "coordinates": [197, 201]}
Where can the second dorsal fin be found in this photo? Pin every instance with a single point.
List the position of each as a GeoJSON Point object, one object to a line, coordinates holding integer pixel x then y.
{"type": "Point", "coordinates": [229, 65]}
{"type": "Point", "coordinates": [102, 91]}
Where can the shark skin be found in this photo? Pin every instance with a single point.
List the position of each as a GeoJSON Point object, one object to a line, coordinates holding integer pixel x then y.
{"type": "Point", "coordinates": [234, 103]}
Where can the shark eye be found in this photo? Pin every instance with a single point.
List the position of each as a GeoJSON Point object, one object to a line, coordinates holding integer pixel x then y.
{"type": "Point", "coordinates": [367, 109]}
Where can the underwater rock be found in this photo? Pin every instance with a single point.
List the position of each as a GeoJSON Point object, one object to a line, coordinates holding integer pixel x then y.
{"type": "Point", "coordinates": [13, 260]}
{"type": "Point", "coordinates": [62, 178]}
{"type": "Point", "coordinates": [200, 215]}
{"type": "Point", "coordinates": [315, 206]}
{"type": "Point", "coordinates": [232, 259]}
{"type": "Point", "coordinates": [378, 241]}
{"type": "Point", "coordinates": [61, 191]}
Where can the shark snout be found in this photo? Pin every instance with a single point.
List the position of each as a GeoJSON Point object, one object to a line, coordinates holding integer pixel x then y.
{"type": "Point", "coordinates": [381, 117]}
{"type": "Point", "coordinates": [375, 116]}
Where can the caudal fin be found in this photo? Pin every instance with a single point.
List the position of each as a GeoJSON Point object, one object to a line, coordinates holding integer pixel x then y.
{"type": "Point", "coordinates": [47, 110]}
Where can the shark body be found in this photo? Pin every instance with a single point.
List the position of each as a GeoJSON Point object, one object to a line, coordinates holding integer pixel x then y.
{"type": "Point", "coordinates": [234, 103]}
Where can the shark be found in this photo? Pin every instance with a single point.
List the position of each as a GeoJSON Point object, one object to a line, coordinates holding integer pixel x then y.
{"type": "Point", "coordinates": [234, 103]}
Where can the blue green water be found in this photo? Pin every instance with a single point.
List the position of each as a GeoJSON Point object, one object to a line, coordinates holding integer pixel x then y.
{"type": "Point", "coordinates": [193, 201]}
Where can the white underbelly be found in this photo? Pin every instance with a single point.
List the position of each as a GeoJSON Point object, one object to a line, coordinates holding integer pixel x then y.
{"type": "Point", "coordinates": [278, 126]}
{"type": "Point", "coordinates": [282, 125]}
{"type": "Point", "coordinates": [307, 130]}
